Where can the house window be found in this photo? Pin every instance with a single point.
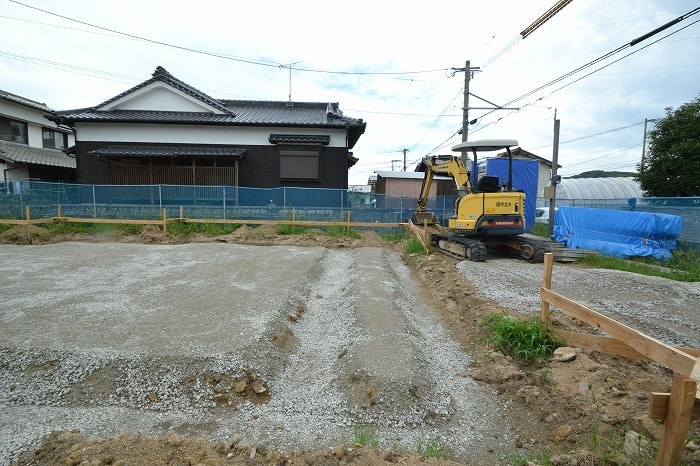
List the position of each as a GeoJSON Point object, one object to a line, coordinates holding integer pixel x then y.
{"type": "Point", "coordinates": [298, 164]}
{"type": "Point", "coordinates": [53, 139]}
{"type": "Point", "coordinates": [18, 131]}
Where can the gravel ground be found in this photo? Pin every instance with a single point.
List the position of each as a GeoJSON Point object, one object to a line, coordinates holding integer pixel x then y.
{"type": "Point", "coordinates": [282, 346]}
{"type": "Point", "coordinates": [662, 308]}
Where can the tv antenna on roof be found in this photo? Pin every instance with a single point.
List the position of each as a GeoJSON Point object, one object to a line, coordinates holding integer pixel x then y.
{"type": "Point", "coordinates": [289, 66]}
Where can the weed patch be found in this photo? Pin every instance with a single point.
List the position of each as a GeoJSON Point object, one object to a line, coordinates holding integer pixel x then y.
{"type": "Point", "coordinates": [291, 229]}
{"type": "Point", "coordinates": [524, 340]}
{"type": "Point", "coordinates": [366, 435]}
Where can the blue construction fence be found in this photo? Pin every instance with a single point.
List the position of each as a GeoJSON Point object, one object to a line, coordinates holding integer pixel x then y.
{"type": "Point", "coordinates": [205, 202]}
{"type": "Point", "coordinates": [232, 202]}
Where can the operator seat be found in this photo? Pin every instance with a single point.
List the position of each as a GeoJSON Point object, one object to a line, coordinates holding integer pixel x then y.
{"type": "Point", "coordinates": [488, 184]}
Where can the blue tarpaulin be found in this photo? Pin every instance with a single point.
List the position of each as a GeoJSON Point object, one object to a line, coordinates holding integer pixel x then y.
{"type": "Point", "coordinates": [617, 233]}
{"type": "Point", "coordinates": [524, 179]}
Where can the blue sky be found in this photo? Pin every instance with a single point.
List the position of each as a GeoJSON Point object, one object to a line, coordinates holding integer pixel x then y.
{"type": "Point", "coordinates": [387, 62]}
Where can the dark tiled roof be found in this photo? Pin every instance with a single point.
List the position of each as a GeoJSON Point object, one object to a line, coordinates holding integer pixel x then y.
{"type": "Point", "coordinates": [170, 151]}
{"type": "Point", "coordinates": [149, 116]}
{"type": "Point", "coordinates": [4, 95]}
{"type": "Point", "coordinates": [22, 153]}
{"type": "Point", "coordinates": [236, 112]}
{"type": "Point", "coordinates": [300, 139]}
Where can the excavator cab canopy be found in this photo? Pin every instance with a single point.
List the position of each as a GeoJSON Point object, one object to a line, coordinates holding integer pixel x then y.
{"type": "Point", "coordinates": [485, 145]}
{"type": "Point", "coordinates": [488, 145]}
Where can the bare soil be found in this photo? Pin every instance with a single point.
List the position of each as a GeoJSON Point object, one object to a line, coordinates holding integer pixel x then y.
{"type": "Point", "coordinates": [558, 407]}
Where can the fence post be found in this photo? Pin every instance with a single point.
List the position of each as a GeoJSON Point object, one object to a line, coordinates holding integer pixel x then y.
{"type": "Point", "coordinates": [94, 203]}
{"type": "Point", "coordinates": [165, 221]}
{"type": "Point", "coordinates": [160, 197]}
{"type": "Point", "coordinates": [27, 216]}
{"type": "Point", "coordinates": [223, 194]}
{"type": "Point", "coordinates": [546, 284]}
{"type": "Point", "coordinates": [677, 422]}
{"type": "Point", "coordinates": [60, 211]}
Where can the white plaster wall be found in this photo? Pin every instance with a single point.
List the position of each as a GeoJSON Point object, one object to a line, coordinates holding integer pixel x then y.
{"type": "Point", "coordinates": [159, 97]}
{"type": "Point", "coordinates": [170, 134]}
{"type": "Point", "coordinates": [23, 113]}
{"type": "Point", "coordinates": [35, 121]}
{"type": "Point", "coordinates": [10, 173]}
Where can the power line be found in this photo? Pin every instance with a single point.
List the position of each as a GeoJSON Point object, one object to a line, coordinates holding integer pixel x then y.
{"type": "Point", "coordinates": [608, 55]}
{"type": "Point", "coordinates": [228, 57]}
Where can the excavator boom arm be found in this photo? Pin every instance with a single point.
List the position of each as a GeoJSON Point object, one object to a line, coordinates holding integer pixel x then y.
{"type": "Point", "coordinates": [453, 167]}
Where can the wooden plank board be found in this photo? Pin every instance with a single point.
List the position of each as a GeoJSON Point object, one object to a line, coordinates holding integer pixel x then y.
{"type": "Point", "coordinates": [652, 348]}
{"type": "Point", "coordinates": [658, 407]}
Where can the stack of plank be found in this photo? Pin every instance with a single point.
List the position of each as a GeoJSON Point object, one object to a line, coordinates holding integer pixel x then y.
{"type": "Point", "coordinates": [561, 252]}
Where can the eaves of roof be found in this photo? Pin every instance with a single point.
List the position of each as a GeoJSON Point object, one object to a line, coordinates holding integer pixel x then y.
{"type": "Point", "coordinates": [4, 95]}
{"type": "Point", "coordinates": [21, 153]}
{"type": "Point", "coordinates": [169, 151]}
{"type": "Point", "coordinates": [145, 116]}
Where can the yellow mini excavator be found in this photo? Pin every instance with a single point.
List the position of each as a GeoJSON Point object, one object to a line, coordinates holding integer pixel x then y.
{"type": "Point", "coordinates": [488, 214]}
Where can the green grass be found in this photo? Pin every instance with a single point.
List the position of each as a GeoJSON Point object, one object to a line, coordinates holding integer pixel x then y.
{"type": "Point", "coordinates": [526, 341]}
{"type": "Point", "coordinates": [540, 229]}
{"type": "Point", "coordinates": [340, 231]}
{"type": "Point", "coordinates": [209, 229]}
{"type": "Point", "coordinates": [684, 266]}
{"type": "Point", "coordinates": [291, 229]}
{"type": "Point", "coordinates": [429, 448]}
{"type": "Point", "coordinates": [366, 435]}
{"type": "Point", "coordinates": [393, 237]}
{"type": "Point", "coordinates": [414, 246]}
{"type": "Point", "coordinates": [59, 228]}
{"type": "Point", "coordinates": [5, 226]}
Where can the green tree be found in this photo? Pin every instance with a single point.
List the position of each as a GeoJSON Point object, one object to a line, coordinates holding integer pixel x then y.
{"type": "Point", "coordinates": [671, 166]}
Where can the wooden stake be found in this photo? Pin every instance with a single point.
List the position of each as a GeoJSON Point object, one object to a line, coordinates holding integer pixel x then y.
{"type": "Point", "coordinates": [165, 221]}
{"type": "Point", "coordinates": [547, 285]}
{"type": "Point", "coordinates": [180, 212]}
{"type": "Point", "coordinates": [680, 408]}
{"type": "Point", "coordinates": [26, 215]}
{"type": "Point", "coordinates": [60, 211]}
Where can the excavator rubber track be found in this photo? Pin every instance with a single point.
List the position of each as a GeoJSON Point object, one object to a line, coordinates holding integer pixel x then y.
{"type": "Point", "coordinates": [460, 247]}
{"type": "Point", "coordinates": [527, 247]}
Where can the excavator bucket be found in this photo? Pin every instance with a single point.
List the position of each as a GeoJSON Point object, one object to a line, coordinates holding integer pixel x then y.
{"type": "Point", "coordinates": [420, 218]}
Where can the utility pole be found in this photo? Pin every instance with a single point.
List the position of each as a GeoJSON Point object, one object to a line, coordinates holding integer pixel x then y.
{"type": "Point", "coordinates": [465, 109]}
{"type": "Point", "coordinates": [468, 70]}
{"type": "Point", "coordinates": [555, 178]}
{"type": "Point", "coordinates": [404, 159]}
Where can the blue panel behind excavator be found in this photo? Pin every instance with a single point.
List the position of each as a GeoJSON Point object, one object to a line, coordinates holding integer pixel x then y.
{"type": "Point", "coordinates": [617, 233]}
{"type": "Point", "coordinates": [524, 179]}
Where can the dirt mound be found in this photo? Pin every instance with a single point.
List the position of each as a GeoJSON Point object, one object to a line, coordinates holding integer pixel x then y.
{"type": "Point", "coordinates": [76, 448]}
{"type": "Point", "coordinates": [25, 234]}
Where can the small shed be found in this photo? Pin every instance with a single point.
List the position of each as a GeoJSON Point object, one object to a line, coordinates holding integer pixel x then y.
{"type": "Point", "coordinates": [409, 184]}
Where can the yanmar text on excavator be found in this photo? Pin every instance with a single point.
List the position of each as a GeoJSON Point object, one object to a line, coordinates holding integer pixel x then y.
{"type": "Point", "coordinates": [488, 214]}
